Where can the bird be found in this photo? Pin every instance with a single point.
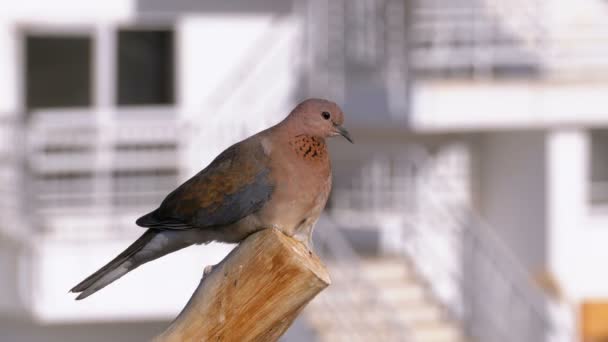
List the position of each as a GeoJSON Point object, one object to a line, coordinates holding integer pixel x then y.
{"type": "Point", "coordinates": [278, 178]}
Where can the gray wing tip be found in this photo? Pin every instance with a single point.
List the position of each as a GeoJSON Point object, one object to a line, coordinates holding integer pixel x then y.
{"type": "Point", "coordinates": [82, 296]}
{"type": "Point", "coordinates": [79, 292]}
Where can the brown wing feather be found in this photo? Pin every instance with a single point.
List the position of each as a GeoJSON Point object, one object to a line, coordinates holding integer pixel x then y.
{"type": "Point", "coordinates": [234, 185]}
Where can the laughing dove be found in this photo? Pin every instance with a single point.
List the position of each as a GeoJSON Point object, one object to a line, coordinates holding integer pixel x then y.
{"type": "Point", "coordinates": [280, 178]}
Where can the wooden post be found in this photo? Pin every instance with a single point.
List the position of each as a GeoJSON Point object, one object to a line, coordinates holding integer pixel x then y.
{"type": "Point", "coordinates": [254, 294]}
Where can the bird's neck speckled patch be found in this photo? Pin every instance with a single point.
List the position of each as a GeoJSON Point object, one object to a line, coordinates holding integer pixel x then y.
{"type": "Point", "coordinates": [308, 147]}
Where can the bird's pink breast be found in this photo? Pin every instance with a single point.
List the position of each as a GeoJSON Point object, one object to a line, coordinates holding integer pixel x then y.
{"type": "Point", "coordinates": [302, 175]}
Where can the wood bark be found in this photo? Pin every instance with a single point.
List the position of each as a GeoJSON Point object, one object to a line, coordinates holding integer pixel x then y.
{"type": "Point", "coordinates": [254, 294]}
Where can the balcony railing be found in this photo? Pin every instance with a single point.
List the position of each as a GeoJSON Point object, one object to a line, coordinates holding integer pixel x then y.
{"type": "Point", "coordinates": [86, 169]}
{"type": "Point", "coordinates": [9, 143]}
{"type": "Point", "coordinates": [12, 149]}
{"type": "Point", "coordinates": [493, 38]}
{"type": "Point", "coordinates": [479, 38]}
{"type": "Point", "coordinates": [475, 38]}
{"type": "Point", "coordinates": [489, 291]}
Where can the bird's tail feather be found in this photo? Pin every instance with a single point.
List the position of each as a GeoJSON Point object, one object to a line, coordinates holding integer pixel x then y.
{"type": "Point", "coordinates": [144, 249]}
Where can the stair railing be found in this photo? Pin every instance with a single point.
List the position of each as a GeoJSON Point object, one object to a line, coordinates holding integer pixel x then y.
{"type": "Point", "coordinates": [475, 275]}
{"type": "Point", "coordinates": [371, 317]}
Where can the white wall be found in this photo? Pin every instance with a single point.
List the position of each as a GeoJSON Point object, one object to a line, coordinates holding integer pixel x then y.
{"type": "Point", "coordinates": [155, 291]}
{"type": "Point", "coordinates": [65, 11]}
{"type": "Point", "coordinates": [577, 239]}
{"type": "Point", "coordinates": [9, 84]}
{"type": "Point", "coordinates": [237, 75]}
{"type": "Point", "coordinates": [511, 197]}
{"type": "Point", "coordinates": [13, 296]}
{"type": "Point", "coordinates": [469, 105]}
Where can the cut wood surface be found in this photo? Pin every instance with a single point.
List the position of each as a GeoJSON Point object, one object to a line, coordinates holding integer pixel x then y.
{"type": "Point", "coordinates": [254, 294]}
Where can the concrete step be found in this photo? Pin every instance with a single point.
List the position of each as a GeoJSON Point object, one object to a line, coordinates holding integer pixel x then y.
{"type": "Point", "coordinates": [355, 336]}
{"type": "Point", "coordinates": [386, 269]}
{"type": "Point", "coordinates": [419, 312]}
{"type": "Point", "coordinates": [400, 295]}
{"type": "Point", "coordinates": [361, 315]}
{"type": "Point", "coordinates": [328, 321]}
{"type": "Point", "coordinates": [436, 332]}
{"type": "Point", "coordinates": [403, 294]}
{"type": "Point", "coordinates": [404, 307]}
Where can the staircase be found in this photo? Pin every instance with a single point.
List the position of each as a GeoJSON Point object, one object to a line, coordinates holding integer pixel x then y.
{"type": "Point", "coordinates": [449, 278]}
{"type": "Point", "coordinates": [375, 298]}
{"type": "Point", "coordinates": [412, 303]}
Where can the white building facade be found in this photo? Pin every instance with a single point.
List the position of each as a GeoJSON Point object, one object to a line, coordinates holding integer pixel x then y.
{"type": "Point", "coordinates": [470, 117]}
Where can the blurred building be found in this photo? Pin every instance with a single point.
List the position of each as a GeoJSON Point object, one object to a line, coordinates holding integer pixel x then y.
{"type": "Point", "coordinates": [472, 207]}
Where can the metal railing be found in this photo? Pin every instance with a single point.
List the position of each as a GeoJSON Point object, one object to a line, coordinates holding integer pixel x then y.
{"type": "Point", "coordinates": [467, 267]}
{"type": "Point", "coordinates": [352, 308]}
{"type": "Point", "coordinates": [480, 37]}
{"type": "Point", "coordinates": [494, 38]}
{"type": "Point", "coordinates": [12, 216]}
{"type": "Point", "coordinates": [98, 170]}
{"type": "Point", "coordinates": [9, 156]}
{"type": "Point", "coordinates": [487, 288]}
{"type": "Point", "coordinates": [353, 45]}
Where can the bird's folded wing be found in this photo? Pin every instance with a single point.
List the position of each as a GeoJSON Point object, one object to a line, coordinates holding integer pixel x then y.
{"type": "Point", "coordinates": [236, 184]}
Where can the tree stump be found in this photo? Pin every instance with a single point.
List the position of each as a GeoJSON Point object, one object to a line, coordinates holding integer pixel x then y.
{"type": "Point", "coordinates": [254, 294]}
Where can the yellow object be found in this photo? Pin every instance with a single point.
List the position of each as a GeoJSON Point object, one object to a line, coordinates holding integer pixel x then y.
{"type": "Point", "coordinates": [594, 321]}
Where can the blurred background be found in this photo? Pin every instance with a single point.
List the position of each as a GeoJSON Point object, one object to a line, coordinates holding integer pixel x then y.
{"type": "Point", "coordinates": [473, 206]}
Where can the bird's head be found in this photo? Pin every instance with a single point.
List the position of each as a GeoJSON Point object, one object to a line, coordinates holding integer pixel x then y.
{"type": "Point", "coordinates": [319, 117]}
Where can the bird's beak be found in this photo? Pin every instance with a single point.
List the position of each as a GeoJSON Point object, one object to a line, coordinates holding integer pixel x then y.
{"type": "Point", "coordinates": [343, 132]}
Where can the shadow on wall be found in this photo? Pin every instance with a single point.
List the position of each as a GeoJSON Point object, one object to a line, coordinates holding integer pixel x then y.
{"type": "Point", "coordinates": [488, 286]}
{"type": "Point", "coordinates": [19, 331]}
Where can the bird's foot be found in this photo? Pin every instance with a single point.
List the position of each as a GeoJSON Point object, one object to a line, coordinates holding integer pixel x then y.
{"type": "Point", "coordinates": [306, 240]}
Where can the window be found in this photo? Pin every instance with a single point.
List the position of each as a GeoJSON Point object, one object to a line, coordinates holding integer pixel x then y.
{"type": "Point", "coordinates": [58, 71]}
{"type": "Point", "coordinates": [599, 167]}
{"type": "Point", "coordinates": [139, 156]}
{"type": "Point", "coordinates": [145, 62]}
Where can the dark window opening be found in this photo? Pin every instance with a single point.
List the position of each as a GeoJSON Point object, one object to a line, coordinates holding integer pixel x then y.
{"type": "Point", "coordinates": [146, 147]}
{"type": "Point", "coordinates": [145, 67]}
{"type": "Point", "coordinates": [58, 71]}
{"type": "Point", "coordinates": [599, 167]}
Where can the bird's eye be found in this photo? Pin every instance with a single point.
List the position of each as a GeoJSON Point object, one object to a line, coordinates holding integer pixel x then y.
{"type": "Point", "coordinates": [326, 115]}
